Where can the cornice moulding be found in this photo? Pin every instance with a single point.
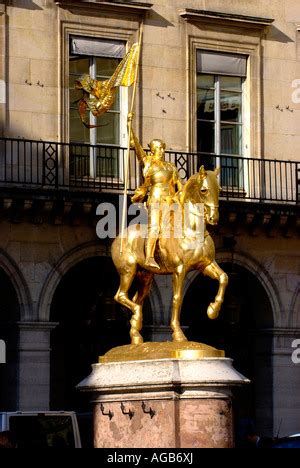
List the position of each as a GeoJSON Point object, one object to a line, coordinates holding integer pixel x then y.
{"type": "Point", "coordinates": [205, 16]}
{"type": "Point", "coordinates": [136, 8]}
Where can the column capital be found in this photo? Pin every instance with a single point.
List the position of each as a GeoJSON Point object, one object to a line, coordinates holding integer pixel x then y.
{"type": "Point", "coordinates": [37, 326]}
{"type": "Point", "coordinates": [278, 331]}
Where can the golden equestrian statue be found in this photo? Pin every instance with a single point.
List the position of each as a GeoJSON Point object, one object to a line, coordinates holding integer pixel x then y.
{"type": "Point", "coordinates": [143, 256]}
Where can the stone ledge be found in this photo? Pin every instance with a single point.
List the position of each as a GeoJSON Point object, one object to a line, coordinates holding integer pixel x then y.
{"type": "Point", "coordinates": [163, 375]}
{"type": "Point", "coordinates": [105, 7]}
{"type": "Point", "coordinates": [189, 14]}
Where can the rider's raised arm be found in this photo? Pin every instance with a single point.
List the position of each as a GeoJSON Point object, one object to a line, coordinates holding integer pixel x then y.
{"type": "Point", "coordinates": [140, 153]}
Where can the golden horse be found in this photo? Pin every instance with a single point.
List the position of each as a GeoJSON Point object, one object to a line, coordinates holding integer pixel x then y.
{"type": "Point", "coordinates": [176, 255]}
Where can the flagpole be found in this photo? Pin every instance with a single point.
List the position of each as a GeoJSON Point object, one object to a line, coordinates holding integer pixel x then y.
{"type": "Point", "coordinates": [126, 169]}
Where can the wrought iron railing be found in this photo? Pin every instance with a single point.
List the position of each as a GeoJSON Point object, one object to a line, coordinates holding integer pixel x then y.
{"type": "Point", "coordinates": [72, 166]}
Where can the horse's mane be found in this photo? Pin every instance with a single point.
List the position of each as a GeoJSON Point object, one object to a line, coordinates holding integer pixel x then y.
{"type": "Point", "coordinates": [191, 191]}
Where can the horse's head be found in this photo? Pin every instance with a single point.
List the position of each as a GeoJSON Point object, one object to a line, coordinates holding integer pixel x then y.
{"type": "Point", "coordinates": [209, 193]}
{"type": "Point", "coordinates": [204, 187]}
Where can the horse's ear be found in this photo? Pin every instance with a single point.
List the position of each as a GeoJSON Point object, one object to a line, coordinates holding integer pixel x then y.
{"type": "Point", "coordinates": [217, 171]}
{"type": "Point", "coordinates": [202, 173]}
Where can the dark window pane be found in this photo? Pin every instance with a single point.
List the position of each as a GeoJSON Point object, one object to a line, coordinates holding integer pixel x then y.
{"type": "Point", "coordinates": [109, 133]}
{"type": "Point", "coordinates": [205, 104]}
{"type": "Point", "coordinates": [74, 96]}
{"type": "Point", "coordinates": [231, 139]}
{"type": "Point", "coordinates": [106, 67]}
{"type": "Point", "coordinates": [206, 137]}
{"type": "Point", "coordinates": [79, 66]}
{"type": "Point", "coordinates": [72, 79]}
{"type": "Point", "coordinates": [205, 81]}
{"type": "Point", "coordinates": [116, 104]}
{"type": "Point", "coordinates": [231, 82]}
{"type": "Point", "coordinates": [78, 132]}
{"type": "Point", "coordinates": [231, 106]}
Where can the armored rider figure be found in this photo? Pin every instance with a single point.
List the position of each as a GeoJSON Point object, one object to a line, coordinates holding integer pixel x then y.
{"type": "Point", "coordinates": [161, 183]}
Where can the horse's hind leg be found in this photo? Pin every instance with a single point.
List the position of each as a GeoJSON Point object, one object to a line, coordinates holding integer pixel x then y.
{"type": "Point", "coordinates": [178, 282]}
{"type": "Point", "coordinates": [122, 298]}
{"type": "Point", "coordinates": [215, 272]}
{"type": "Point", "coordinates": [144, 279]}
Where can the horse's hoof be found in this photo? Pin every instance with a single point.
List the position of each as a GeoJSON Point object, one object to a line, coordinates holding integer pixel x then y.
{"type": "Point", "coordinates": [179, 336]}
{"type": "Point", "coordinates": [136, 340]}
{"type": "Point", "coordinates": [212, 312]}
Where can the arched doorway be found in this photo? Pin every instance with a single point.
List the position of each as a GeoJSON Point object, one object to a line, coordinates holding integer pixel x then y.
{"type": "Point", "coordinates": [243, 331]}
{"type": "Point", "coordinates": [9, 316]}
{"type": "Point", "coordinates": [90, 323]}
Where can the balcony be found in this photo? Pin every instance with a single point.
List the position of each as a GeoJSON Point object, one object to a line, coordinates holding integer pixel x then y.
{"type": "Point", "coordinates": [52, 166]}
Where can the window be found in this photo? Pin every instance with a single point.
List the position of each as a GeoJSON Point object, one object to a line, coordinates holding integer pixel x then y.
{"type": "Point", "coordinates": [220, 79]}
{"type": "Point", "coordinates": [99, 59]}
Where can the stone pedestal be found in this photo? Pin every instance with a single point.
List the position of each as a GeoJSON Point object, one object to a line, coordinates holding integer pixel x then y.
{"type": "Point", "coordinates": [163, 403]}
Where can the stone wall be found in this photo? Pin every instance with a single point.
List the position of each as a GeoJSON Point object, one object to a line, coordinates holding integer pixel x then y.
{"type": "Point", "coordinates": [2, 68]}
{"type": "Point", "coordinates": [38, 56]}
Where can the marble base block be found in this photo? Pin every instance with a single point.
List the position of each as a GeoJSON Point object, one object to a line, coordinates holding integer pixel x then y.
{"type": "Point", "coordinates": [164, 403]}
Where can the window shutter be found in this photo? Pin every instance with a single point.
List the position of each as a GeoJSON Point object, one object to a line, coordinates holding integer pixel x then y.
{"type": "Point", "coordinates": [96, 47]}
{"type": "Point", "coordinates": [221, 63]}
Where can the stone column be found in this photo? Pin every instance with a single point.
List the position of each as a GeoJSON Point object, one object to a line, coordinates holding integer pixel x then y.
{"type": "Point", "coordinates": [286, 383]}
{"type": "Point", "coordinates": [34, 365]}
{"type": "Point", "coordinates": [167, 403]}
{"type": "Point", "coordinates": [262, 343]}
{"type": "Point", "coordinates": [161, 297]}
{"type": "Point", "coordinates": [2, 68]}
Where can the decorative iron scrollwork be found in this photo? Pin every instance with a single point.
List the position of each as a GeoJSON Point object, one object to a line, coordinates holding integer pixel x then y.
{"type": "Point", "coordinates": [182, 165]}
{"type": "Point", "coordinates": [50, 164]}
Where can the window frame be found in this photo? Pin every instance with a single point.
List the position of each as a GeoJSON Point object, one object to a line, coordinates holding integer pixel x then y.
{"type": "Point", "coordinates": [217, 121]}
{"type": "Point", "coordinates": [222, 40]}
{"type": "Point", "coordinates": [67, 30]}
{"type": "Point", "coordinates": [251, 46]}
{"type": "Point", "coordinates": [122, 114]}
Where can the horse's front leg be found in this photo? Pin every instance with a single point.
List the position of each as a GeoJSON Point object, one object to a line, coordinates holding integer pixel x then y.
{"type": "Point", "coordinates": [122, 298]}
{"type": "Point", "coordinates": [178, 281]}
{"type": "Point", "coordinates": [215, 272]}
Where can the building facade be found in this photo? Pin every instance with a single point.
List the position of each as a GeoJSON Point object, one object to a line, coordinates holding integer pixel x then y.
{"type": "Point", "coordinates": [220, 83]}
